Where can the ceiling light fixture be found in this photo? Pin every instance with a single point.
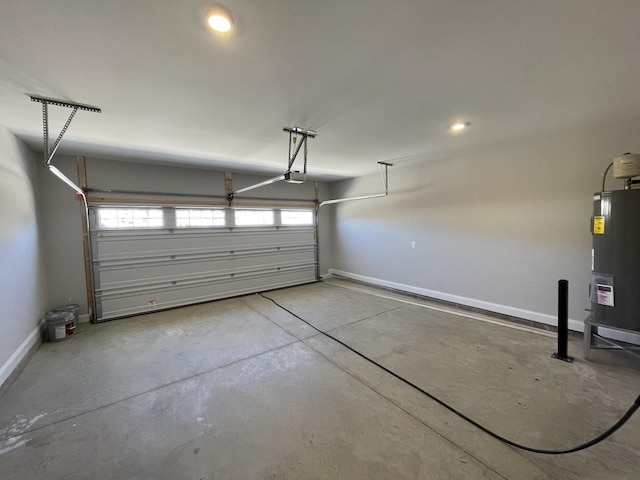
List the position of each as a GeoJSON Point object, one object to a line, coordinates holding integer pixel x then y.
{"type": "Point", "coordinates": [219, 19]}
{"type": "Point", "coordinates": [458, 127]}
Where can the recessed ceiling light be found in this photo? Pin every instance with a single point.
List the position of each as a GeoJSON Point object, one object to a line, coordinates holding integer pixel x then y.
{"type": "Point", "coordinates": [458, 127]}
{"type": "Point", "coordinates": [219, 19]}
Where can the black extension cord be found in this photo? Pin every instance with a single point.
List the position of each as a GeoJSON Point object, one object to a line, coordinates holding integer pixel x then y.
{"type": "Point", "coordinates": [577, 448]}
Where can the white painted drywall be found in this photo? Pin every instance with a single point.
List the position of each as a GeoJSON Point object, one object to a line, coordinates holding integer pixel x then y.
{"type": "Point", "coordinates": [494, 228]}
{"type": "Point", "coordinates": [22, 287]}
{"type": "Point", "coordinates": [134, 176]}
{"type": "Point", "coordinates": [61, 212]}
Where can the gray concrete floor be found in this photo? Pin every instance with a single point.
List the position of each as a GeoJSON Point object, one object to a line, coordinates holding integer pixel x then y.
{"type": "Point", "coordinates": [240, 389]}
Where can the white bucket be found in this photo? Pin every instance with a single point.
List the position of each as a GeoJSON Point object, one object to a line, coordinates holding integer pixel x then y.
{"type": "Point", "coordinates": [59, 326]}
{"type": "Point", "coordinates": [73, 308]}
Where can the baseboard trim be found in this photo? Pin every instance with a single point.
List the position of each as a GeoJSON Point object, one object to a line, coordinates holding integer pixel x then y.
{"type": "Point", "coordinates": [24, 350]}
{"type": "Point", "coordinates": [543, 318]}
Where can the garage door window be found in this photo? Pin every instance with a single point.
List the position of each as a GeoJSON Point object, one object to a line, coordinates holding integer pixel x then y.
{"type": "Point", "coordinates": [296, 217]}
{"type": "Point", "coordinates": [246, 218]}
{"type": "Point", "coordinates": [199, 217]}
{"type": "Point", "coordinates": [130, 218]}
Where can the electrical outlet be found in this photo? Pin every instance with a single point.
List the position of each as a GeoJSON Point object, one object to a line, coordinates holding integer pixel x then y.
{"type": "Point", "coordinates": [413, 244]}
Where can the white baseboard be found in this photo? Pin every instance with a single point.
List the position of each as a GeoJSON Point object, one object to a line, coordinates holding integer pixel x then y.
{"type": "Point", "coordinates": [23, 350]}
{"type": "Point", "coordinates": [575, 325]}
{"type": "Point", "coordinates": [84, 318]}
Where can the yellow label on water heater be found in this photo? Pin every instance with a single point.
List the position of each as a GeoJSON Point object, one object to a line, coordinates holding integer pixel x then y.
{"type": "Point", "coordinates": [598, 225]}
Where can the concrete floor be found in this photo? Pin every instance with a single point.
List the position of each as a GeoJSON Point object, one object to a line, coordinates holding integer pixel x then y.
{"type": "Point", "coordinates": [240, 389]}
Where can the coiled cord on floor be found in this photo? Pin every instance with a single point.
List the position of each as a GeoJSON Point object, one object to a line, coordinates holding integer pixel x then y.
{"type": "Point", "coordinates": [576, 448]}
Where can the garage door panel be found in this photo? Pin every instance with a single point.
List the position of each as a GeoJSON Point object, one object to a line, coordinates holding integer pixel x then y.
{"type": "Point", "coordinates": [272, 258]}
{"type": "Point", "coordinates": [117, 245]}
{"type": "Point", "coordinates": [118, 303]}
{"type": "Point", "coordinates": [124, 276]}
{"type": "Point", "coordinates": [140, 269]}
{"type": "Point", "coordinates": [136, 273]}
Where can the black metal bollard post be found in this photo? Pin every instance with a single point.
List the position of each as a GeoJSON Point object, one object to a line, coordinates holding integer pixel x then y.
{"type": "Point", "coordinates": [563, 322]}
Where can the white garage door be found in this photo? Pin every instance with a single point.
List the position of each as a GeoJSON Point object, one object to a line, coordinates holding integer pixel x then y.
{"type": "Point", "coordinates": [150, 258]}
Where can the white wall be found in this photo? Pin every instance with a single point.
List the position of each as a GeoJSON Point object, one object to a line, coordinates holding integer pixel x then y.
{"type": "Point", "coordinates": [495, 229]}
{"type": "Point", "coordinates": [22, 286]}
{"type": "Point", "coordinates": [61, 211]}
{"type": "Point", "coordinates": [60, 214]}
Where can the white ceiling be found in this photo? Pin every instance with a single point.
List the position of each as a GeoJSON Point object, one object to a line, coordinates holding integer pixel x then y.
{"type": "Point", "coordinates": [380, 80]}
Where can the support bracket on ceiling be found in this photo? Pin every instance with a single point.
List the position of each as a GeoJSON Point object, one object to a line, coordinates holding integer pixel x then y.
{"type": "Point", "coordinates": [293, 135]}
{"type": "Point", "coordinates": [288, 176]}
{"type": "Point", "coordinates": [49, 153]}
{"type": "Point", "coordinates": [385, 181]}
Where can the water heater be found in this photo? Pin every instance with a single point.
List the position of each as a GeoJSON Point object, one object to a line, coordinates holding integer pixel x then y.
{"type": "Point", "coordinates": [615, 283]}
